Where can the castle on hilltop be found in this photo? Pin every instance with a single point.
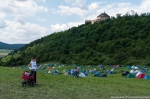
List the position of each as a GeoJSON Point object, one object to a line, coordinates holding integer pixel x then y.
{"type": "Point", "coordinates": [102, 16]}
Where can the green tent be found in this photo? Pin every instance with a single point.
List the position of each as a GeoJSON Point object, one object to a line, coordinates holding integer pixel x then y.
{"type": "Point", "coordinates": [128, 67]}
{"type": "Point", "coordinates": [130, 75]}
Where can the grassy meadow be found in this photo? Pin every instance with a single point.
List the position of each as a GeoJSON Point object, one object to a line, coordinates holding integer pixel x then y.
{"type": "Point", "coordinates": [52, 86]}
{"type": "Point", "coordinates": [4, 52]}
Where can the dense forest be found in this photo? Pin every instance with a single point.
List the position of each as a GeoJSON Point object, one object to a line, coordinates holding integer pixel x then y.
{"type": "Point", "coordinates": [121, 40]}
{"type": "Point", "coordinates": [10, 46]}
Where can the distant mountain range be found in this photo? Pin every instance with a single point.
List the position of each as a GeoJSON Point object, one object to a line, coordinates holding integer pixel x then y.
{"type": "Point", "coordinates": [10, 46]}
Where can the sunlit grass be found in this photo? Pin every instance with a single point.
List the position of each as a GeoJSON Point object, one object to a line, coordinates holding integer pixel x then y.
{"type": "Point", "coordinates": [4, 52]}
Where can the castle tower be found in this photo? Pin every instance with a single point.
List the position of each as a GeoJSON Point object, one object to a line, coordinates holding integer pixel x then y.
{"type": "Point", "coordinates": [102, 16]}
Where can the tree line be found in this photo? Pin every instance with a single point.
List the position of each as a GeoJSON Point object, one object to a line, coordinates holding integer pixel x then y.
{"type": "Point", "coordinates": [121, 40]}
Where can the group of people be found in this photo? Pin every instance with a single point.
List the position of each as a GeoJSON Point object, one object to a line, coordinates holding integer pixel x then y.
{"type": "Point", "coordinates": [33, 67]}
{"type": "Point", "coordinates": [74, 72]}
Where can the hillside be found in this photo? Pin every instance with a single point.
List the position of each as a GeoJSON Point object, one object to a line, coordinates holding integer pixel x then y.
{"type": "Point", "coordinates": [121, 40]}
{"type": "Point", "coordinates": [10, 46]}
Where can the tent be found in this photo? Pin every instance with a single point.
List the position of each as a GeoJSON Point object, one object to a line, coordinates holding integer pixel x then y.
{"type": "Point", "coordinates": [92, 71]}
{"type": "Point", "coordinates": [113, 69]}
{"type": "Point", "coordinates": [136, 67]}
{"type": "Point", "coordinates": [43, 67]}
{"type": "Point", "coordinates": [100, 66]}
{"type": "Point", "coordinates": [133, 67]}
{"type": "Point", "coordinates": [130, 75]}
{"type": "Point", "coordinates": [85, 71]}
{"type": "Point", "coordinates": [147, 77]}
{"type": "Point", "coordinates": [132, 71]}
{"type": "Point", "coordinates": [148, 71]}
{"type": "Point", "coordinates": [110, 72]}
{"type": "Point", "coordinates": [138, 73]}
{"type": "Point", "coordinates": [50, 71]}
{"type": "Point", "coordinates": [128, 67]}
{"type": "Point", "coordinates": [103, 75]}
{"type": "Point", "coordinates": [113, 72]}
{"type": "Point", "coordinates": [124, 73]}
{"type": "Point", "coordinates": [97, 74]}
{"type": "Point", "coordinates": [145, 67]}
{"type": "Point", "coordinates": [51, 65]}
{"type": "Point", "coordinates": [64, 70]}
{"type": "Point", "coordinates": [71, 72]}
{"type": "Point", "coordinates": [141, 76]}
{"type": "Point", "coordinates": [56, 72]}
{"type": "Point", "coordinates": [82, 75]}
{"type": "Point", "coordinates": [86, 74]}
{"type": "Point", "coordinates": [143, 70]}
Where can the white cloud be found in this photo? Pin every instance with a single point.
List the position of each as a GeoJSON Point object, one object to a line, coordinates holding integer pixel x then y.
{"type": "Point", "coordinates": [93, 6]}
{"type": "Point", "coordinates": [114, 8]}
{"type": "Point", "coordinates": [18, 33]}
{"type": "Point", "coordinates": [32, 0]}
{"type": "Point", "coordinates": [72, 24]}
{"type": "Point", "coordinates": [66, 10]}
{"type": "Point", "coordinates": [43, 1]}
{"type": "Point", "coordinates": [2, 23]}
{"type": "Point", "coordinates": [145, 6]}
{"type": "Point", "coordinates": [16, 30]}
{"type": "Point", "coordinates": [74, 7]}
{"type": "Point", "coordinates": [76, 3]}
{"type": "Point", "coordinates": [57, 27]}
{"type": "Point", "coordinates": [20, 8]}
{"type": "Point", "coordinates": [22, 0]}
{"type": "Point", "coordinates": [20, 20]}
{"type": "Point", "coordinates": [39, 19]}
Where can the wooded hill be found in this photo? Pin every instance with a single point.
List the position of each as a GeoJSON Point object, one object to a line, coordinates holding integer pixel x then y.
{"type": "Point", "coordinates": [121, 40]}
{"type": "Point", "coordinates": [10, 46]}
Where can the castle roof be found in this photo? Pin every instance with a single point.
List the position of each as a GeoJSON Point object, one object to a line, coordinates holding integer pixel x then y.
{"type": "Point", "coordinates": [103, 15]}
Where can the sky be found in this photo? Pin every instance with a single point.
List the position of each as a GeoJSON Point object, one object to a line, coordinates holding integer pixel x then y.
{"type": "Point", "coordinates": [23, 21]}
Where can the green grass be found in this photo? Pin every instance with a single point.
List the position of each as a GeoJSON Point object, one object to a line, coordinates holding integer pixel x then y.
{"type": "Point", "coordinates": [61, 86]}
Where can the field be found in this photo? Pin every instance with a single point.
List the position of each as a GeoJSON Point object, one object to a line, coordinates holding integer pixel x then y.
{"type": "Point", "coordinates": [4, 52]}
{"type": "Point", "coordinates": [52, 86]}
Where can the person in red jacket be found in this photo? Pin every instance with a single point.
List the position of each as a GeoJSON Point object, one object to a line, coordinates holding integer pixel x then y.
{"type": "Point", "coordinates": [76, 72]}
